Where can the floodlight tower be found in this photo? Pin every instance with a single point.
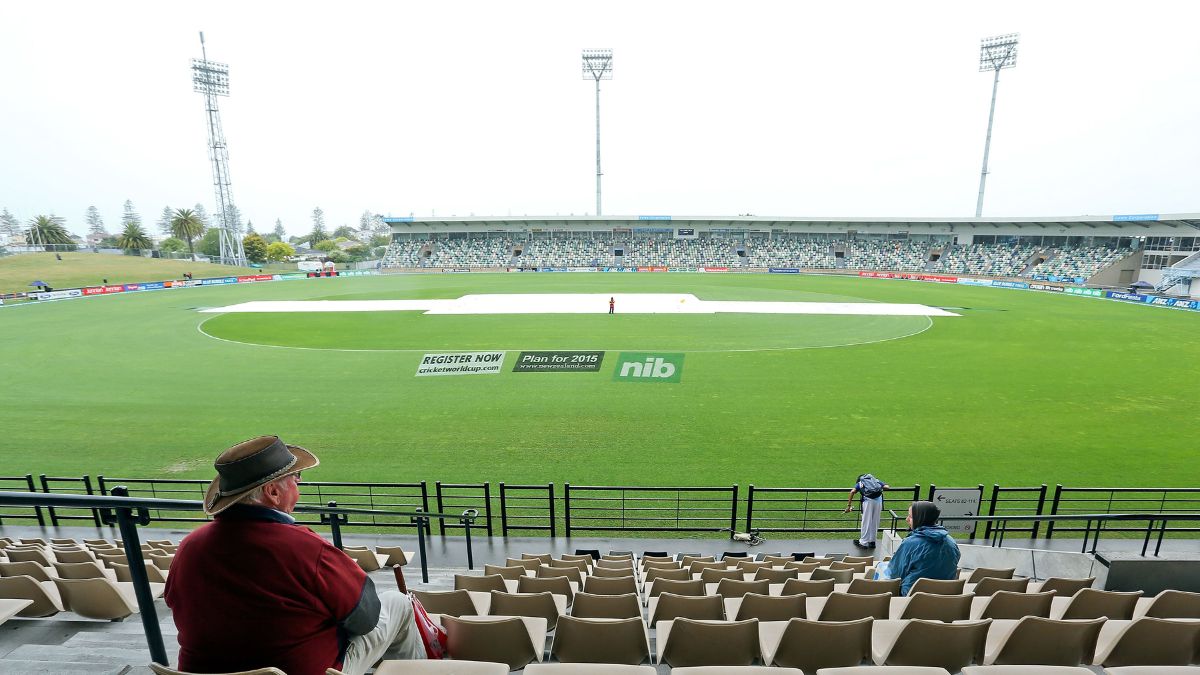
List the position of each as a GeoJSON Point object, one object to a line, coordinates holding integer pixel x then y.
{"type": "Point", "coordinates": [212, 79]}
{"type": "Point", "coordinates": [597, 65]}
{"type": "Point", "coordinates": [995, 54]}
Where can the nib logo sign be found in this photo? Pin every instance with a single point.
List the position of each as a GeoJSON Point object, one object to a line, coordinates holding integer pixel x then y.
{"type": "Point", "coordinates": [639, 367]}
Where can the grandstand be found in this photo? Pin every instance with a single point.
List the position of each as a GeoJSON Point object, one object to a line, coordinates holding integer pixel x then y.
{"type": "Point", "coordinates": [1108, 251]}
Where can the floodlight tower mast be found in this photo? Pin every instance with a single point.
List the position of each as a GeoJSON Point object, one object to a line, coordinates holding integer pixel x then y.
{"type": "Point", "coordinates": [212, 79]}
{"type": "Point", "coordinates": [995, 54]}
{"type": "Point", "coordinates": [597, 65]}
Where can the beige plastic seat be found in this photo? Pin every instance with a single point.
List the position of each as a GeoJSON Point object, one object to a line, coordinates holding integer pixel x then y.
{"type": "Point", "coordinates": [936, 644]}
{"type": "Point", "coordinates": [26, 568]}
{"type": "Point", "coordinates": [701, 565]}
{"type": "Point", "coordinates": [163, 670]}
{"type": "Point", "coordinates": [34, 540]}
{"type": "Point", "coordinates": [853, 567]}
{"type": "Point", "coordinates": [511, 640]}
{"type": "Point", "coordinates": [770, 607]}
{"type": "Point", "coordinates": [1048, 642]}
{"type": "Point", "coordinates": [511, 573]}
{"type": "Point", "coordinates": [117, 556]}
{"type": "Point", "coordinates": [613, 555]}
{"type": "Point", "coordinates": [866, 559]}
{"type": "Point", "coordinates": [95, 598]}
{"type": "Point", "coordinates": [1091, 603]}
{"type": "Point", "coordinates": [846, 607]}
{"type": "Point", "coordinates": [621, 641]}
{"type": "Point", "coordinates": [369, 561]}
{"type": "Point", "coordinates": [541, 604]}
{"type": "Point", "coordinates": [68, 542]}
{"type": "Point", "coordinates": [934, 607]}
{"type": "Point", "coordinates": [530, 565]}
{"type": "Point", "coordinates": [1153, 642]}
{"type": "Point", "coordinates": [709, 643]}
{"type": "Point", "coordinates": [938, 586]}
{"type": "Point", "coordinates": [802, 566]}
{"type": "Point", "coordinates": [713, 575]}
{"type": "Point", "coordinates": [730, 588]}
{"type": "Point", "coordinates": [572, 573]}
{"type": "Point", "coordinates": [585, 558]}
{"type": "Point", "coordinates": [395, 555]}
{"type": "Point", "coordinates": [74, 556]}
{"type": "Point", "coordinates": [543, 558]}
{"type": "Point", "coordinates": [589, 606]}
{"type": "Point", "coordinates": [588, 669]}
{"type": "Point", "coordinates": [778, 560]}
{"type": "Point", "coordinates": [153, 573]}
{"type": "Point", "coordinates": [980, 573]}
{"type": "Point", "coordinates": [579, 564]}
{"type": "Point", "coordinates": [610, 586]}
{"type": "Point", "coordinates": [1027, 670]}
{"type": "Point", "coordinates": [674, 574]}
{"type": "Point", "coordinates": [450, 603]}
{"type": "Point", "coordinates": [690, 587]}
{"type": "Point", "coordinates": [45, 597]}
{"type": "Point", "coordinates": [822, 561]}
{"type": "Point", "coordinates": [774, 576]}
{"type": "Point", "coordinates": [990, 585]}
{"type": "Point", "coordinates": [813, 589]}
{"type": "Point", "coordinates": [810, 645]}
{"type": "Point", "coordinates": [82, 570]}
{"type": "Point", "coordinates": [750, 566]}
{"type": "Point", "coordinates": [838, 576]}
{"type": "Point", "coordinates": [1153, 670]}
{"type": "Point", "coordinates": [1010, 605]}
{"type": "Point", "coordinates": [1064, 586]}
{"type": "Point", "coordinates": [657, 559]}
{"type": "Point", "coordinates": [1172, 605]}
{"type": "Point", "coordinates": [162, 560]}
{"type": "Point", "coordinates": [874, 586]}
{"type": "Point", "coordinates": [35, 555]}
{"type": "Point", "coordinates": [611, 573]}
{"type": "Point", "coordinates": [559, 585]}
{"type": "Point", "coordinates": [883, 670]}
{"type": "Point", "coordinates": [608, 563]}
{"type": "Point", "coordinates": [482, 584]}
{"type": "Point", "coordinates": [687, 560]}
{"type": "Point", "coordinates": [668, 607]}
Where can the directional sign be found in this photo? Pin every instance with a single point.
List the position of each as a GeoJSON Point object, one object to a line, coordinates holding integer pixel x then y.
{"type": "Point", "coordinates": [954, 503]}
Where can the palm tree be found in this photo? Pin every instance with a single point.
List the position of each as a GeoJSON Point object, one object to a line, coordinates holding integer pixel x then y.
{"type": "Point", "coordinates": [48, 230]}
{"type": "Point", "coordinates": [186, 225]}
{"type": "Point", "coordinates": [134, 238]}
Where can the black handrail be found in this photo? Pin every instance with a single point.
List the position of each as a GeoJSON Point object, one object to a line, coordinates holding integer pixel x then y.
{"type": "Point", "coordinates": [133, 511]}
{"type": "Point", "coordinates": [1098, 518]}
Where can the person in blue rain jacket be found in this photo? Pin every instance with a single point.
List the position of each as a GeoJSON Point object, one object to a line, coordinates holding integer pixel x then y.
{"type": "Point", "coordinates": [928, 552]}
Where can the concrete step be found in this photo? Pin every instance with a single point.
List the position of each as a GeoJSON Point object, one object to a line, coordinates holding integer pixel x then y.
{"type": "Point", "coordinates": [95, 656]}
{"type": "Point", "coordinates": [11, 667]}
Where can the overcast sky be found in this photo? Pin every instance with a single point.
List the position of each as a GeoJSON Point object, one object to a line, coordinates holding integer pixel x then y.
{"type": "Point", "coordinates": [715, 108]}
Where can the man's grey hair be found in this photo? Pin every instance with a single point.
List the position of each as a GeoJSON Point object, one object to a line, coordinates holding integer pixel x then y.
{"type": "Point", "coordinates": [255, 496]}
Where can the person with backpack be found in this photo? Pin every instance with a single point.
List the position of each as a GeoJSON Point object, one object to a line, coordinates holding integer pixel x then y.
{"type": "Point", "coordinates": [870, 490]}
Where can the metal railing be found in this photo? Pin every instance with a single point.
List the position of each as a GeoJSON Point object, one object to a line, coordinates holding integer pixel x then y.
{"type": "Point", "coordinates": [525, 507]}
{"type": "Point", "coordinates": [632, 508]}
{"type": "Point", "coordinates": [1017, 501]}
{"type": "Point", "coordinates": [808, 509]}
{"type": "Point", "coordinates": [1157, 501]}
{"type": "Point", "coordinates": [127, 513]}
{"type": "Point", "coordinates": [1095, 524]}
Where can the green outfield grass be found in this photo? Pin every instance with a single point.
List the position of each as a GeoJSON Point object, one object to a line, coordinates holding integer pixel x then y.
{"type": "Point", "coordinates": [77, 270]}
{"type": "Point", "coordinates": [1023, 388]}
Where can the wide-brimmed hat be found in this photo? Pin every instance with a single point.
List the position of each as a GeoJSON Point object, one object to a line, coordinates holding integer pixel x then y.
{"type": "Point", "coordinates": [250, 464]}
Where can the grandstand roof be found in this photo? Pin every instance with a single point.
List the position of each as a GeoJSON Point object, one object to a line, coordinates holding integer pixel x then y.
{"type": "Point", "coordinates": [1127, 225]}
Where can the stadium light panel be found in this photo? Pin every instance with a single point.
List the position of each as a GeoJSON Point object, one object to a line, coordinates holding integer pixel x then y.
{"type": "Point", "coordinates": [210, 77]}
{"type": "Point", "coordinates": [996, 53]}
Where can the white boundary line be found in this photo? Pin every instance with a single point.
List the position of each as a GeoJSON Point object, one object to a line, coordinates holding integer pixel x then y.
{"type": "Point", "coordinates": [200, 329]}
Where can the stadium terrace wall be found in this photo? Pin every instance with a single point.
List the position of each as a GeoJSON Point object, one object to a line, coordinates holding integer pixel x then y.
{"type": "Point", "coordinates": [550, 509]}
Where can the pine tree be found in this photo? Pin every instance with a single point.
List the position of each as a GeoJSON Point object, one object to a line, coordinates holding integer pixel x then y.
{"type": "Point", "coordinates": [164, 221]}
{"type": "Point", "coordinates": [94, 222]}
{"type": "Point", "coordinates": [130, 217]}
{"type": "Point", "coordinates": [319, 233]}
{"type": "Point", "coordinates": [235, 218]}
{"type": "Point", "coordinates": [250, 227]}
{"type": "Point", "coordinates": [279, 231]}
{"type": "Point", "coordinates": [9, 224]}
{"type": "Point", "coordinates": [365, 223]}
{"type": "Point", "coordinates": [202, 214]}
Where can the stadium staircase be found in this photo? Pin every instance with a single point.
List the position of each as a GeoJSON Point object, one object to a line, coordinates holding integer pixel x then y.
{"type": "Point", "coordinates": [1039, 257]}
{"type": "Point", "coordinates": [1181, 272]}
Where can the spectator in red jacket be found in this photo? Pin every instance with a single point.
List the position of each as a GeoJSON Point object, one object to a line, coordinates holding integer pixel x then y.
{"type": "Point", "coordinates": [254, 589]}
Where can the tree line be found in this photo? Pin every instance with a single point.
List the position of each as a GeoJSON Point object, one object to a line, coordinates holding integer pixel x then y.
{"type": "Point", "coordinates": [191, 230]}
